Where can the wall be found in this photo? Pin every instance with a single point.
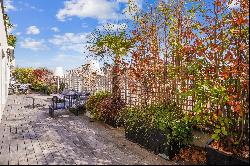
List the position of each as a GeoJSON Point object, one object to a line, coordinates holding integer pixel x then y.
{"type": "Point", "coordinates": [4, 63]}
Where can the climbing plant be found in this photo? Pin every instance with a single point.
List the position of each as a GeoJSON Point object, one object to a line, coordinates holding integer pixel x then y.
{"type": "Point", "coordinates": [12, 39]}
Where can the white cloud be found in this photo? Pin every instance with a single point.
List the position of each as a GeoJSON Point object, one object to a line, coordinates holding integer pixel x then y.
{"type": "Point", "coordinates": [113, 27]}
{"type": "Point", "coordinates": [235, 4]}
{"type": "Point", "coordinates": [8, 4]}
{"type": "Point", "coordinates": [70, 41]}
{"type": "Point", "coordinates": [33, 44]}
{"type": "Point", "coordinates": [98, 9]}
{"type": "Point", "coordinates": [33, 30]}
{"type": "Point", "coordinates": [55, 29]}
{"type": "Point", "coordinates": [132, 8]}
{"type": "Point", "coordinates": [123, 1]}
{"type": "Point", "coordinates": [24, 5]}
{"type": "Point", "coordinates": [18, 33]}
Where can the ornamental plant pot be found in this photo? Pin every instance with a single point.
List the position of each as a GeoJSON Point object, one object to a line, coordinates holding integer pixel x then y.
{"type": "Point", "coordinates": [239, 161]}
{"type": "Point", "coordinates": [79, 110]}
{"type": "Point", "coordinates": [140, 133]}
{"type": "Point", "coordinates": [111, 122]}
{"type": "Point", "coordinates": [130, 133]}
{"type": "Point", "coordinates": [159, 141]}
{"type": "Point", "coordinates": [216, 157]}
{"type": "Point", "coordinates": [172, 149]}
{"type": "Point", "coordinates": [148, 141]}
{"type": "Point", "coordinates": [156, 140]}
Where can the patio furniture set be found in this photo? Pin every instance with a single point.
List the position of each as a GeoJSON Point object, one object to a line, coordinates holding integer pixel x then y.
{"type": "Point", "coordinates": [68, 99]}
{"type": "Point", "coordinates": [17, 88]}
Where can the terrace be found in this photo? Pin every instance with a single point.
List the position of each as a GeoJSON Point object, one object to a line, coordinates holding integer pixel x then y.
{"type": "Point", "coordinates": [168, 84]}
{"type": "Point", "coordinates": [30, 137]}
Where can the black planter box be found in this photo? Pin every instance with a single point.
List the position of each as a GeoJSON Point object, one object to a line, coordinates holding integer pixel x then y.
{"type": "Point", "coordinates": [172, 149]}
{"type": "Point", "coordinates": [215, 157]}
{"type": "Point", "coordinates": [111, 122]}
{"type": "Point", "coordinates": [152, 139]}
{"type": "Point", "coordinates": [130, 133]}
{"type": "Point", "coordinates": [77, 111]}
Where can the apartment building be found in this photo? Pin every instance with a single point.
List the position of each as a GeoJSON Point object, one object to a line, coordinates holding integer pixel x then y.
{"type": "Point", "coordinates": [7, 61]}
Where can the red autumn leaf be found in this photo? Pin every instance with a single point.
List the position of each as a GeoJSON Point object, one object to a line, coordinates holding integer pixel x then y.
{"type": "Point", "coordinates": [224, 75]}
{"type": "Point", "coordinates": [217, 3]}
{"type": "Point", "coordinates": [200, 53]}
{"type": "Point", "coordinates": [228, 56]}
{"type": "Point", "coordinates": [210, 57]}
{"type": "Point", "coordinates": [237, 107]}
{"type": "Point", "coordinates": [240, 20]}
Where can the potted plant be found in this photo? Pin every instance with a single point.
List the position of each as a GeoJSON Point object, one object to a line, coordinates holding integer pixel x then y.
{"type": "Point", "coordinates": [162, 130]}
{"type": "Point", "coordinates": [225, 147]}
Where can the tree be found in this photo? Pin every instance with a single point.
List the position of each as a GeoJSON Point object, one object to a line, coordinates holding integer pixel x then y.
{"type": "Point", "coordinates": [107, 43]}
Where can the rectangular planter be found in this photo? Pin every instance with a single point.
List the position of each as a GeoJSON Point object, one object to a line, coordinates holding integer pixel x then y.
{"type": "Point", "coordinates": [151, 139]}
{"type": "Point", "coordinates": [215, 157]}
{"type": "Point", "coordinates": [111, 122]}
{"type": "Point", "coordinates": [81, 110]}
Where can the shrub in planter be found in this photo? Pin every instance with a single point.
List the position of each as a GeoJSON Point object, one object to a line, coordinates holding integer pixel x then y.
{"type": "Point", "coordinates": [93, 101]}
{"type": "Point", "coordinates": [164, 128]}
{"type": "Point", "coordinates": [108, 109]}
{"type": "Point", "coordinates": [102, 106]}
{"type": "Point", "coordinates": [218, 157]}
{"type": "Point", "coordinates": [78, 110]}
{"type": "Point", "coordinates": [226, 118]}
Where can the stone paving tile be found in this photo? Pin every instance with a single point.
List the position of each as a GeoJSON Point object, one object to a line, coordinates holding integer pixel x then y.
{"type": "Point", "coordinates": [30, 137]}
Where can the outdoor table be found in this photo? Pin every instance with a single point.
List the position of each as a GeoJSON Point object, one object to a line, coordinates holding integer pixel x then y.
{"type": "Point", "coordinates": [70, 95]}
{"type": "Point", "coordinates": [24, 87]}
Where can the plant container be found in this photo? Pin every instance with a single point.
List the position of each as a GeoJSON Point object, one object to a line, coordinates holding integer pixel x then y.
{"type": "Point", "coordinates": [216, 157]}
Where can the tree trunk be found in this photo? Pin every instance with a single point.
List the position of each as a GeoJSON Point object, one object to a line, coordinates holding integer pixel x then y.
{"type": "Point", "coordinates": [115, 80]}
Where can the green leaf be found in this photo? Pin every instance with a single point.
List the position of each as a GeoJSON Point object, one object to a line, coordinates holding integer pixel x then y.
{"type": "Point", "coordinates": [236, 143]}
{"type": "Point", "coordinates": [224, 130]}
{"type": "Point", "coordinates": [217, 131]}
{"type": "Point", "coordinates": [216, 137]}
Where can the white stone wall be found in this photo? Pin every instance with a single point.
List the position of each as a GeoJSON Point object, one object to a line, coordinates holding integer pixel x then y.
{"type": "Point", "coordinates": [4, 63]}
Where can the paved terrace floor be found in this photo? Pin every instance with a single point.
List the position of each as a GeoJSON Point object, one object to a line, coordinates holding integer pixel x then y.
{"type": "Point", "coordinates": [29, 136]}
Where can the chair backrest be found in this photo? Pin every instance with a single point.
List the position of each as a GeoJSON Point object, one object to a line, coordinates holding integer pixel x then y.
{"type": "Point", "coordinates": [54, 98]}
{"type": "Point", "coordinates": [23, 86]}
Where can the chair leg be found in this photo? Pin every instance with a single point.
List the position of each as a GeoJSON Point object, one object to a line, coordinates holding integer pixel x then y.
{"type": "Point", "coordinates": [50, 111]}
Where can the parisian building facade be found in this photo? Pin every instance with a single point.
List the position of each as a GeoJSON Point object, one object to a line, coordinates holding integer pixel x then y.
{"type": "Point", "coordinates": [7, 61]}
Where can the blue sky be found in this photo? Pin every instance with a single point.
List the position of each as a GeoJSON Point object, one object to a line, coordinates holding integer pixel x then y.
{"type": "Point", "coordinates": [52, 33]}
